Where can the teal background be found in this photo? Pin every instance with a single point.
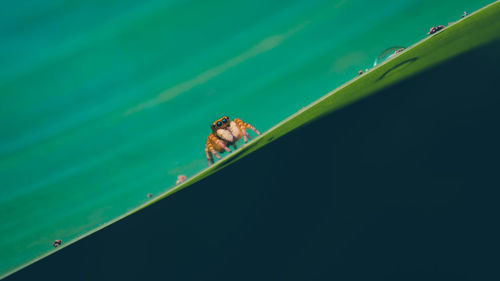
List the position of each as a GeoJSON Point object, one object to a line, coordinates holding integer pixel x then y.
{"type": "Point", "coordinates": [103, 102]}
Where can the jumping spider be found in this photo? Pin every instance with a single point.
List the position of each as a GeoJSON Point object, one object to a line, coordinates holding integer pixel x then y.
{"type": "Point", "coordinates": [226, 133]}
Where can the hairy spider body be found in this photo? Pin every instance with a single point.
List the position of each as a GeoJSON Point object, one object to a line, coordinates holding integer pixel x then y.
{"type": "Point", "coordinates": [224, 134]}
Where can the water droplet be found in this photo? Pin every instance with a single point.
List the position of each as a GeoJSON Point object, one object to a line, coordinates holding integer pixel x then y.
{"type": "Point", "coordinates": [388, 53]}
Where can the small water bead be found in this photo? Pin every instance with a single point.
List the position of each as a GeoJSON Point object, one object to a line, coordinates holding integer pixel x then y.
{"type": "Point", "coordinates": [388, 53]}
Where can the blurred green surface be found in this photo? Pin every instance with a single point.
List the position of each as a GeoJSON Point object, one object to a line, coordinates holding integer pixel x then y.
{"type": "Point", "coordinates": [103, 102]}
{"type": "Point", "coordinates": [400, 185]}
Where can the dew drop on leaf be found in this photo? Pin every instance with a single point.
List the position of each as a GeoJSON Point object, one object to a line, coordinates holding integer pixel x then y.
{"type": "Point", "coordinates": [388, 53]}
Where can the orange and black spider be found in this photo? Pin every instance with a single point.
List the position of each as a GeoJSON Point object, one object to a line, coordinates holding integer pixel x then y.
{"type": "Point", "coordinates": [226, 133]}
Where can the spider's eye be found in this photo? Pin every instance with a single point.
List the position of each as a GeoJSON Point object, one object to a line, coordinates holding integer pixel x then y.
{"type": "Point", "coordinates": [219, 124]}
{"type": "Point", "coordinates": [224, 120]}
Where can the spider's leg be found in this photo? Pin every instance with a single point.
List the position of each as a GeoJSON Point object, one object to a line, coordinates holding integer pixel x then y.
{"type": "Point", "coordinates": [210, 157]}
{"type": "Point", "coordinates": [214, 152]}
{"type": "Point", "coordinates": [245, 135]}
{"type": "Point", "coordinates": [235, 147]}
{"type": "Point", "coordinates": [208, 151]}
{"type": "Point", "coordinates": [243, 126]}
{"type": "Point", "coordinates": [221, 143]}
{"type": "Point", "coordinates": [252, 128]}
